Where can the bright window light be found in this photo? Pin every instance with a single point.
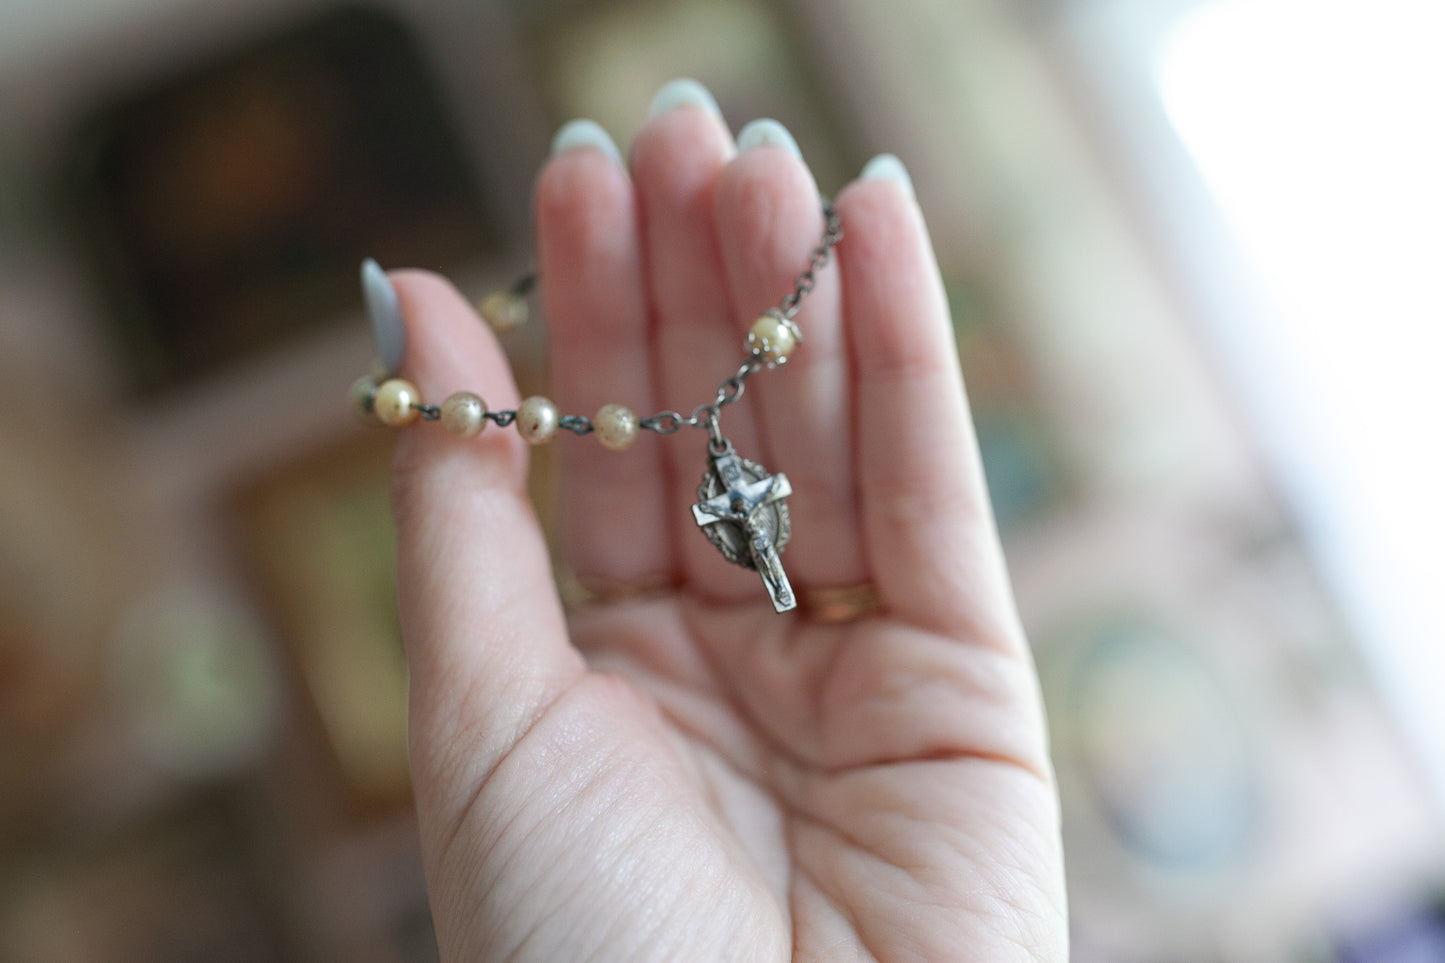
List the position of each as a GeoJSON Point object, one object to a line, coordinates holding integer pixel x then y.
{"type": "Point", "coordinates": [1319, 129]}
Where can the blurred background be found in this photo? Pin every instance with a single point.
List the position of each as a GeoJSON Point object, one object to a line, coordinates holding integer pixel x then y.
{"type": "Point", "coordinates": [1194, 251]}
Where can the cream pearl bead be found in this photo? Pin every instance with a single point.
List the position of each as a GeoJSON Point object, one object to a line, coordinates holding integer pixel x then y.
{"type": "Point", "coordinates": [464, 414]}
{"type": "Point", "coordinates": [394, 402]}
{"type": "Point", "coordinates": [363, 398]}
{"type": "Point", "coordinates": [503, 311]}
{"type": "Point", "coordinates": [772, 338]}
{"type": "Point", "coordinates": [616, 426]}
{"type": "Point", "coordinates": [537, 420]}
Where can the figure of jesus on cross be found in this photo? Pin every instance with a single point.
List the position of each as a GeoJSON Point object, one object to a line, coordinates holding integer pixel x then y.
{"type": "Point", "coordinates": [741, 503]}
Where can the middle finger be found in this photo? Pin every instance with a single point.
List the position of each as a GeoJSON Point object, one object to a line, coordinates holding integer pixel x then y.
{"type": "Point", "coordinates": [676, 159]}
{"type": "Point", "coordinates": [770, 221]}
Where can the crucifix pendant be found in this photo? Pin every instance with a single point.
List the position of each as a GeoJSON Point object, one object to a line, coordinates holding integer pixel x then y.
{"type": "Point", "coordinates": [742, 511]}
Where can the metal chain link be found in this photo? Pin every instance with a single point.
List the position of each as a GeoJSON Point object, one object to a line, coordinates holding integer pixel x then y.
{"type": "Point", "coordinates": [807, 279]}
{"type": "Point", "coordinates": [577, 424]}
{"type": "Point", "coordinates": [706, 415]}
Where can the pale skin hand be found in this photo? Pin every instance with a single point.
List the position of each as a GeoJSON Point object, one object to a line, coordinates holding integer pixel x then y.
{"type": "Point", "coordinates": [687, 775]}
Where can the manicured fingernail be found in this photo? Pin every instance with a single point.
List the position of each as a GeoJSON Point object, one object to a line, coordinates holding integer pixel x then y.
{"type": "Point", "coordinates": [682, 92]}
{"type": "Point", "coordinates": [383, 310]}
{"type": "Point", "coordinates": [585, 133]}
{"type": "Point", "coordinates": [886, 167]}
{"type": "Point", "coordinates": [768, 133]}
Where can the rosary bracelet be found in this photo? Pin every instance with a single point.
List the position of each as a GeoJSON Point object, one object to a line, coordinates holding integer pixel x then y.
{"type": "Point", "coordinates": [741, 508]}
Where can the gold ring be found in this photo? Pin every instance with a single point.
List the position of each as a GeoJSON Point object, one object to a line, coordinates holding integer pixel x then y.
{"type": "Point", "coordinates": [836, 605]}
{"type": "Point", "coordinates": [577, 592]}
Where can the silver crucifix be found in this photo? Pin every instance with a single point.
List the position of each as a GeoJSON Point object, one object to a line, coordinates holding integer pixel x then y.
{"type": "Point", "coordinates": [742, 511]}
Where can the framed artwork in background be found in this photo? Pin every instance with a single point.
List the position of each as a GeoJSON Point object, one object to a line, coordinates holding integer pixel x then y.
{"type": "Point", "coordinates": [606, 60]}
{"type": "Point", "coordinates": [318, 541]}
{"type": "Point", "coordinates": [224, 209]}
{"type": "Point", "coordinates": [1028, 478]}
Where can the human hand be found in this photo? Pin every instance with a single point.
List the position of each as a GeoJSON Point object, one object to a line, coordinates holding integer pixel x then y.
{"type": "Point", "coordinates": [679, 773]}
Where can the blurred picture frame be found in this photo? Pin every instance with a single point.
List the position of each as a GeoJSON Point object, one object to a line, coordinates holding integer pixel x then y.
{"type": "Point", "coordinates": [605, 60]}
{"type": "Point", "coordinates": [223, 206]}
{"type": "Point", "coordinates": [318, 544]}
{"type": "Point", "coordinates": [1028, 472]}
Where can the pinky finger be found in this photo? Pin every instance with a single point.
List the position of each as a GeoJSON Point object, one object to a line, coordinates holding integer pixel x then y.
{"type": "Point", "coordinates": [930, 533]}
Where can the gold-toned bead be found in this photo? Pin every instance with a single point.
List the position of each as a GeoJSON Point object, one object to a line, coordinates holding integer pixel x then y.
{"type": "Point", "coordinates": [394, 403]}
{"type": "Point", "coordinates": [503, 310]}
{"type": "Point", "coordinates": [363, 398]}
{"type": "Point", "coordinates": [772, 338]}
{"type": "Point", "coordinates": [537, 420]}
{"type": "Point", "coordinates": [616, 426]}
{"type": "Point", "coordinates": [464, 414]}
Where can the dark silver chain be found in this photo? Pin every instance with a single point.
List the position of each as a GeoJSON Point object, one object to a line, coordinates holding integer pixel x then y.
{"type": "Point", "coordinates": [807, 278]}
{"type": "Point", "coordinates": [705, 415]}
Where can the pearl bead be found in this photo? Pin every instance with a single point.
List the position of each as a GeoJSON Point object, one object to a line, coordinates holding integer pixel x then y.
{"type": "Point", "coordinates": [503, 310]}
{"type": "Point", "coordinates": [772, 338]}
{"type": "Point", "coordinates": [464, 414]}
{"type": "Point", "coordinates": [616, 426]}
{"type": "Point", "coordinates": [363, 398]}
{"type": "Point", "coordinates": [537, 420]}
{"type": "Point", "coordinates": [393, 403]}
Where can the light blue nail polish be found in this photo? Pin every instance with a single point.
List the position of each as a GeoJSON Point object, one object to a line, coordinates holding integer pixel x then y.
{"type": "Point", "coordinates": [683, 92]}
{"type": "Point", "coordinates": [383, 310]}
{"type": "Point", "coordinates": [886, 167]}
{"type": "Point", "coordinates": [577, 134]}
{"type": "Point", "coordinates": [768, 133]}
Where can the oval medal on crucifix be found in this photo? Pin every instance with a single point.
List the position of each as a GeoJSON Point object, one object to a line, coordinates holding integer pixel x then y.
{"type": "Point", "coordinates": [743, 511]}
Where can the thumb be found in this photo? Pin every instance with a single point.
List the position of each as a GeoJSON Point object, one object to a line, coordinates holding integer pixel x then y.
{"type": "Point", "coordinates": [485, 637]}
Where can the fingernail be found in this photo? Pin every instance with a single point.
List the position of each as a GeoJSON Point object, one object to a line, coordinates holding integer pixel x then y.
{"type": "Point", "coordinates": [886, 167]}
{"type": "Point", "coordinates": [768, 133]}
{"type": "Point", "coordinates": [682, 92]}
{"type": "Point", "coordinates": [585, 133]}
{"type": "Point", "coordinates": [383, 310]}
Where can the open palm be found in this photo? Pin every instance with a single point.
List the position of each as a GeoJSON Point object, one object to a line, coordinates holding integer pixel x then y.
{"type": "Point", "coordinates": [679, 773]}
